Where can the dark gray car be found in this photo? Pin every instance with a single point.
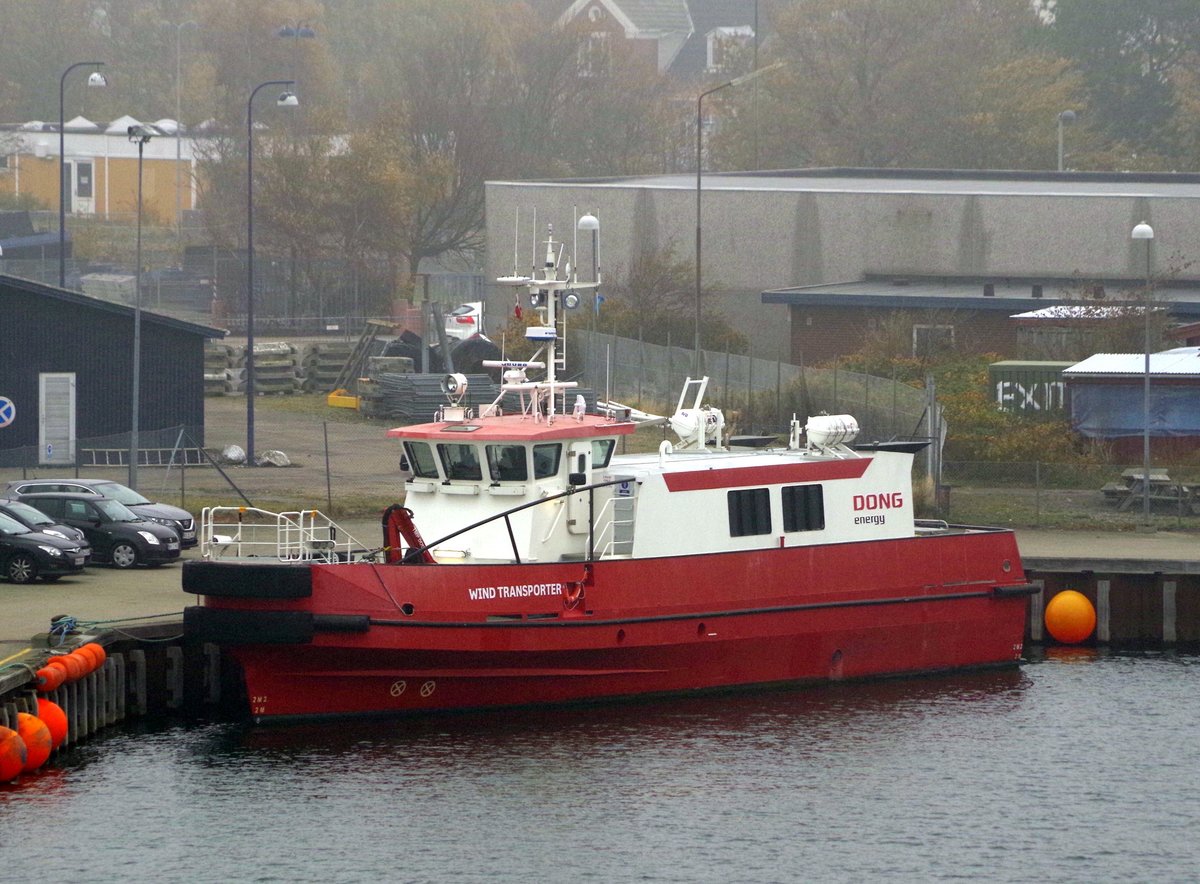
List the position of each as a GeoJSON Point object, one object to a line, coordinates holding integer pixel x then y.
{"type": "Point", "coordinates": [117, 534]}
{"type": "Point", "coordinates": [163, 513]}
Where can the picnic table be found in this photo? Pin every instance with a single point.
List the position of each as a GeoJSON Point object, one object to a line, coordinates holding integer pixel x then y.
{"type": "Point", "coordinates": [1164, 491]}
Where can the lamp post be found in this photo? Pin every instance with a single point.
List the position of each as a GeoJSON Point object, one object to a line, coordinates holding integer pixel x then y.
{"type": "Point", "coordinates": [139, 135]}
{"type": "Point", "coordinates": [94, 79]}
{"type": "Point", "coordinates": [736, 81]}
{"type": "Point", "coordinates": [286, 99]}
{"type": "Point", "coordinates": [1065, 118]}
{"type": "Point", "coordinates": [296, 32]}
{"type": "Point", "coordinates": [1146, 232]}
{"type": "Point", "coordinates": [178, 121]}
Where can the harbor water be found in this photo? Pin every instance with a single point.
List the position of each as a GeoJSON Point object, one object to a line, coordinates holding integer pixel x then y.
{"type": "Point", "coordinates": [1079, 766]}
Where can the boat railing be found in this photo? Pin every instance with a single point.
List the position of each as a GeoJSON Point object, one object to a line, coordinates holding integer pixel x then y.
{"type": "Point", "coordinates": [606, 531]}
{"type": "Point", "coordinates": [241, 532]}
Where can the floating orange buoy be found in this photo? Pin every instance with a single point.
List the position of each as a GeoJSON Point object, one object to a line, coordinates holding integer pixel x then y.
{"type": "Point", "coordinates": [49, 678]}
{"type": "Point", "coordinates": [56, 720]}
{"type": "Point", "coordinates": [1070, 617]}
{"type": "Point", "coordinates": [36, 736]}
{"type": "Point", "coordinates": [12, 754]}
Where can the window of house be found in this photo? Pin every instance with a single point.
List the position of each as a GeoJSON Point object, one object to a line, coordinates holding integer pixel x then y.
{"type": "Point", "coordinates": [726, 45]}
{"type": "Point", "coordinates": [749, 512]}
{"type": "Point", "coordinates": [593, 57]}
{"type": "Point", "coordinates": [930, 340]}
{"type": "Point", "coordinates": [421, 460]}
{"type": "Point", "coordinates": [803, 508]}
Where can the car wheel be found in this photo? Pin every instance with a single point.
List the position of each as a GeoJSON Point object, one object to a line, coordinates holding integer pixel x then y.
{"type": "Point", "coordinates": [124, 555]}
{"type": "Point", "coordinates": [22, 568]}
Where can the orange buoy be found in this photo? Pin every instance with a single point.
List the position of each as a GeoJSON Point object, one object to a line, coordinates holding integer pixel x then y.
{"type": "Point", "coordinates": [56, 720]}
{"type": "Point", "coordinates": [1070, 617]}
{"type": "Point", "coordinates": [49, 678]}
{"type": "Point", "coordinates": [12, 754]}
{"type": "Point", "coordinates": [85, 653]}
{"type": "Point", "coordinates": [97, 651]}
{"type": "Point", "coordinates": [38, 743]}
{"type": "Point", "coordinates": [73, 665]}
{"type": "Point", "coordinates": [60, 662]}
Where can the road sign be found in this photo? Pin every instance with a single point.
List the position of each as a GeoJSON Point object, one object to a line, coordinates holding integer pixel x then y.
{"type": "Point", "coordinates": [8, 411]}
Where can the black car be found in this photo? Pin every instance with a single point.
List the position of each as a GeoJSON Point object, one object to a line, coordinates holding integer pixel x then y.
{"type": "Point", "coordinates": [36, 520]}
{"type": "Point", "coordinates": [163, 513]}
{"type": "Point", "coordinates": [27, 555]}
{"type": "Point", "coordinates": [117, 534]}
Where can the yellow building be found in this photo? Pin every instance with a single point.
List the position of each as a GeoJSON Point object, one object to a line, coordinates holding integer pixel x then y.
{"type": "Point", "coordinates": [100, 164]}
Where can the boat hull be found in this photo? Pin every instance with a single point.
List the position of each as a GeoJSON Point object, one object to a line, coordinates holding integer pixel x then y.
{"type": "Point", "coordinates": [363, 639]}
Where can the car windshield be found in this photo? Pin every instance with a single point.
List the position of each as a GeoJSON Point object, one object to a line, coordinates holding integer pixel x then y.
{"type": "Point", "coordinates": [28, 514]}
{"type": "Point", "coordinates": [117, 511]}
{"type": "Point", "coordinates": [9, 525]}
{"type": "Point", "coordinates": [125, 495]}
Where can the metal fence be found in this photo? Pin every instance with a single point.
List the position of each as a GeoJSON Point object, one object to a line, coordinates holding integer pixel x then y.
{"type": "Point", "coordinates": [760, 395]}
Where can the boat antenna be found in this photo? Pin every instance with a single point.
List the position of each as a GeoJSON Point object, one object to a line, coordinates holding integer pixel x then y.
{"type": "Point", "coordinates": [516, 241]}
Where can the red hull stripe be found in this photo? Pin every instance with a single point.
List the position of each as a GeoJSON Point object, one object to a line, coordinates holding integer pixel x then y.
{"type": "Point", "coordinates": [701, 480]}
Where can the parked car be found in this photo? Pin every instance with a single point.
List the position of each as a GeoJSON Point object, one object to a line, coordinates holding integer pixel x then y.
{"type": "Point", "coordinates": [117, 534]}
{"type": "Point", "coordinates": [465, 320]}
{"type": "Point", "coordinates": [163, 513]}
{"type": "Point", "coordinates": [36, 520]}
{"type": "Point", "coordinates": [27, 555]}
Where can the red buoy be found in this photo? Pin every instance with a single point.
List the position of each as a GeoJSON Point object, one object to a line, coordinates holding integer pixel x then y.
{"type": "Point", "coordinates": [56, 720]}
{"type": "Point", "coordinates": [60, 662]}
{"type": "Point", "coordinates": [36, 735]}
{"type": "Point", "coordinates": [12, 754]}
{"type": "Point", "coordinates": [75, 665]}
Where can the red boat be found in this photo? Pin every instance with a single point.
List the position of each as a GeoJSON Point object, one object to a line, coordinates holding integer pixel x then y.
{"type": "Point", "coordinates": [563, 572]}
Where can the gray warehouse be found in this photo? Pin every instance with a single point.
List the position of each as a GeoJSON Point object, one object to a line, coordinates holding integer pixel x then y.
{"type": "Point", "coordinates": [784, 251]}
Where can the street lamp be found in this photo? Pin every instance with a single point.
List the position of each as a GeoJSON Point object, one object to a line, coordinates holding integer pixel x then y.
{"type": "Point", "coordinates": [139, 135]}
{"type": "Point", "coordinates": [1065, 118]}
{"type": "Point", "coordinates": [736, 81]}
{"type": "Point", "coordinates": [178, 121]}
{"type": "Point", "coordinates": [94, 79]}
{"type": "Point", "coordinates": [296, 32]}
{"type": "Point", "coordinates": [286, 99]}
{"type": "Point", "coordinates": [1146, 232]}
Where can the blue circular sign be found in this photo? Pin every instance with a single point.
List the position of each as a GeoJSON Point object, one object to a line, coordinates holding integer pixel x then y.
{"type": "Point", "coordinates": [8, 411]}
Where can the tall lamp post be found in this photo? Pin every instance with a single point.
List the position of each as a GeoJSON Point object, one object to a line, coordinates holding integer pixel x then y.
{"type": "Point", "coordinates": [1065, 118]}
{"type": "Point", "coordinates": [1146, 232]}
{"type": "Point", "coordinates": [139, 135]}
{"type": "Point", "coordinates": [94, 79]}
{"type": "Point", "coordinates": [736, 81]}
{"type": "Point", "coordinates": [178, 121]}
{"type": "Point", "coordinates": [286, 99]}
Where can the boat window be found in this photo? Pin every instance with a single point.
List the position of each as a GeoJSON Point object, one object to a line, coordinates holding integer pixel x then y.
{"type": "Point", "coordinates": [803, 508]}
{"type": "Point", "coordinates": [602, 450]}
{"type": "Point", "coordinates": [545, 460]}
{"type": "Point", "coordinates": [506, 463]}
{"type": "Point", "coordinates": [421, 460]}
{"type": "Point", "coordinates": [749, 512]}
{"type": "Point", "coordinates": [459, 461]}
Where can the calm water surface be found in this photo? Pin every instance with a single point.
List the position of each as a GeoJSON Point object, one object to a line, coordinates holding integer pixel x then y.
{"type": "Point", "coordinates": [1077, 767]}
